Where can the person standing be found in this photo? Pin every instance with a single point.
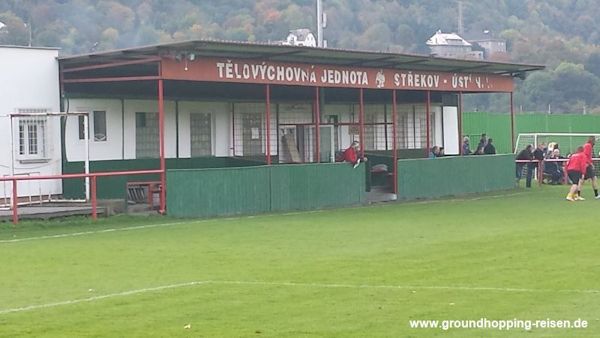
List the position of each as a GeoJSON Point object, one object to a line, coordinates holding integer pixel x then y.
{"type": "Point", "coordinates": [489, 148]}
{"type": "Point", "coordinates": [539, 154]}
{"type": "Point", "coordinates": [525, 155]}
{"type": "Point", "coordinates": [481, 146]}
{"type": "Point", "coordinates": [590, 170]}
{"type": "Point", "coordinates": [576, 167]}
{"type": "Point", "coordinates": [466, 149]}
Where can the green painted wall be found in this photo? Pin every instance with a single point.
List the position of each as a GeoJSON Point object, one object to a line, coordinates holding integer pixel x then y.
{"type": "Point", "coordinates": [114, 187]}
{"type": "Point", "coordinates": [232, 191]}
{"type": "Point", "coordinates": [450, 176]}
{"type": "Point", "coordinates": [218, 192]}
{"type": "Point", "coordinates": [497, 126]}
{"type": "Point", "coordinates": [315, 186]}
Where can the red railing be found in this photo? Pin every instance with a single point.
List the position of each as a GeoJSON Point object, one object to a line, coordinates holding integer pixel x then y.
{"type": "Point", "coordinates": [93, 184]}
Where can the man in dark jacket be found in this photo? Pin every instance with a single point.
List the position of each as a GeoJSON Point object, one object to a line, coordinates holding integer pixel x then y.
{"type": "Point", "coordinates": [525, 155]}
{"type": "Point", "coordinates": [489, 148]}
{"type": "Point", "coordinates": [539, 154]}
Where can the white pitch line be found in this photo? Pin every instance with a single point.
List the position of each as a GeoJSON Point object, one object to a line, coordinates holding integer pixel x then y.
{"type": "Point", "coordinates": [294, 284]}
{"type": "Point", "coordinates": [138, 227]}
{"type": "Point", "coordinates": [84, 233]}
{"type": "Point", "coordinates": [76, 234]}
{"type": "Point", "coordinates": [91, 299]}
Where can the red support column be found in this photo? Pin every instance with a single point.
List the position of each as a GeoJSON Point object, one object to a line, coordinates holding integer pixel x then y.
{"type": "Point", "coordinates": [512, 122]}
{"type": "Point", "coordinates": [428, 119]}
{"type": "Point", "coordinates": [15, 203]}
{"type": "Point", "coordinates": [161, 137]}
{"type": "Point", "coordinates": [459, 117]}
{"type": "Point", "coordinates": [317, 119]}
{"type": "Point", "coordinates": [93, 197]}
{"type": "Point", "coordinates": [395, 142]}
{"type": "Point", "coordinates": [268, 124]}
{"type": "Point", "coordinates": [361, 121]}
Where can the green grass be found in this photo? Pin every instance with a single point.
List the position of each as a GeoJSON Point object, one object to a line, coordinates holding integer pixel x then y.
{"type": "Point", "coordinates": [310, 274]}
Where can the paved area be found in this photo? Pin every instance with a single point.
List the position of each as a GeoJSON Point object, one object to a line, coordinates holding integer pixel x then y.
{"type": "Point", "coordinates": [379, 194]}
{"type": "Point", "coordinates": [49, 211]}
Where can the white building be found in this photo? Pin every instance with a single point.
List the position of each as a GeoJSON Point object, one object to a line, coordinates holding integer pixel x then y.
{"type": "Point", "coordinates": [451, 45]}
{"type": "Point", "coordinates": [301, 37]}
{"type": "Point", "coordinates": [29, 83]}
{"type": "Point", "coordinates": [128, 129]}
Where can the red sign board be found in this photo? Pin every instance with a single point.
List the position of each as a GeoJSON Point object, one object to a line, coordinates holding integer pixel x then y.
{"type": "Point", "coordinates": [318, 75]}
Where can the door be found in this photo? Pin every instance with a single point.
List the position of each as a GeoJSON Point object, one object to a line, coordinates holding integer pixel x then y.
{"type": "Point", "coordinates": [327, 144]}
{"type": "Point", "coordinates": [252, 134]}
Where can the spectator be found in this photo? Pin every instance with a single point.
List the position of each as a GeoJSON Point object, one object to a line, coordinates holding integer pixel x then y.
{"type": "Point", "coordinates": [525, 155]}
{"type": "Point", "coordinates": [489, 148]}
{"type": "Point", "coordinates": [441, 153]}
{"type": "Point", "coordinates": [539, 154]}
{"type": "Point", "coordinates": [434, 152]}
{"type": "Point", "coordinates": [466, 150]}
{"type": "Point", "coordinates": [554, 168]}
{"type": "Point", "coordinates": [482, 143]}
{"type": "Point", "coordinates": [351, 154]}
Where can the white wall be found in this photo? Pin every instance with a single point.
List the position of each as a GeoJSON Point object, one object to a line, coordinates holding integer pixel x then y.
{"type": "Point", "coordinates": [451, 136]}
{"type": "Point", "coordinates": [221, 126]}
{"type": "Point", "coordinates": [29, 79]}
{"type": "Point", "coordinates": [120, 143]}
{"type": "Point", "coordinates": [99, 150]}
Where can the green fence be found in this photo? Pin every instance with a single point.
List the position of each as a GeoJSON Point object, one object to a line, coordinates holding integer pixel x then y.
{"type": "Point", "coordinates": [233, 191]}
{"type": "Point", "coordinates": [450, 176]}
{"type": "Point", "coordinates": [497, 126]}
{"type": "Point", "coordinates": [115, 187]}
{"type": "Point", "coordinates": [217, 192]}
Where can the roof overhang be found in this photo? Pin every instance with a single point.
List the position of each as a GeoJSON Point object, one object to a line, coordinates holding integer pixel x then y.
{"type": "Point", "coordinates": [295, 54]}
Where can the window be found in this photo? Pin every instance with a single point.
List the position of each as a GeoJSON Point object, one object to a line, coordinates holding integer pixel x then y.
{"type": "Point", "coordinates": [32, 135]}
{"type": "Point", "coordinates": [146, 135]}
{"type": "Point", "coordinates": [200, 134]}
{"type": "Point", "coordinates": [99, 125]}
{"type": "Point", "coordinates": [81, 123]}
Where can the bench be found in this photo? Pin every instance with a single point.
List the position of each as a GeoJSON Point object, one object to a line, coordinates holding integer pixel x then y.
{"type": "Point", "coordinates": [143, 191]}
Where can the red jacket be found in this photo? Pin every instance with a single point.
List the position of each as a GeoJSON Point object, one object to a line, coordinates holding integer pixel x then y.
{"type": "Point", "coordinates": [577, 162]}
{"type": "Point", "coordinates": [350, 155]}
{"type": "Point", "coordinates": [587, 150]}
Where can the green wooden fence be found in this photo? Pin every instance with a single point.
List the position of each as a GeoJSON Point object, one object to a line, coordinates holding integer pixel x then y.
{"type": "Point", "coordinates": [451, 176]}
{"type": "Point", "coordinates": [250, 190]}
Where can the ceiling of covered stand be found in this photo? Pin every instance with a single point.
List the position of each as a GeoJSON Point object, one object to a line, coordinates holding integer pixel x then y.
{"type": "Point", "coordinates": [328, 56]}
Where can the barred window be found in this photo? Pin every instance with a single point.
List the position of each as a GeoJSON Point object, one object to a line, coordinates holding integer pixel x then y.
{"type": "Point", "coordinates": [146, 135]}
{"type": "Point", "coordinates": [201, 134]}
{"type": "Point", "coordinates": [32, 134]}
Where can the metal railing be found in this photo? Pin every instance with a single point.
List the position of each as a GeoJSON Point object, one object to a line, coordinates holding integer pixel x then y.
{"type": "Point", "coordinates": [93, 182]}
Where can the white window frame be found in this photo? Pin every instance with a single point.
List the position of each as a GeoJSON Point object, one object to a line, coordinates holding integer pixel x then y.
{"type": "Point", "coordinates": [23, 141]}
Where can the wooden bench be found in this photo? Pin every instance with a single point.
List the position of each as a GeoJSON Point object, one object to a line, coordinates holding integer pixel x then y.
{"type": "Point", "coordinates": [143, 191]}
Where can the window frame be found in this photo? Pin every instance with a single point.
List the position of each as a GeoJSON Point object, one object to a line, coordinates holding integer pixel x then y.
{"type": "Point", "coordinates": [31, 144]}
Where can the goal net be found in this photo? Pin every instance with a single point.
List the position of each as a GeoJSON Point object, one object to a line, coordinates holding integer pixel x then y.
{"type": "Point", "coordinates": [567, 142]}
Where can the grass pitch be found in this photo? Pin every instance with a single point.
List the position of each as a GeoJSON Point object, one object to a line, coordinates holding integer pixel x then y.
{"type": "Point", "coordinates": [360, 272]}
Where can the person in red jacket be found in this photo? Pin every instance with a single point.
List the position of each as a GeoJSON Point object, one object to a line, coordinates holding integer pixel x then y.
{"type": "Point", "coordinates": [576, 167]}
{"type": "Point", "coordinates": [351, 154]}
{"type": "Point", "coordinates": [590, 172]}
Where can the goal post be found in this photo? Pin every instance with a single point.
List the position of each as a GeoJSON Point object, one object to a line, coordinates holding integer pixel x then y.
{"type": "Point", "coordinates": [568, 142]}
{"type": "Point", "coordinates": [34, 140]}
